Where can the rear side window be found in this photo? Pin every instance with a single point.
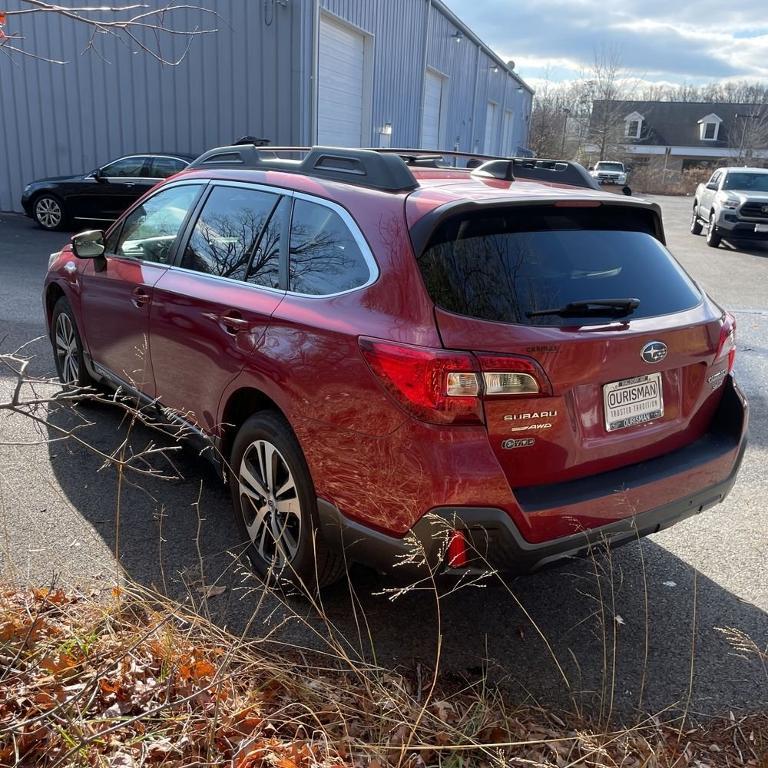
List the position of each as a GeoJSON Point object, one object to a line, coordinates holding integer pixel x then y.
{"type": "Point", "coordinates": [505, 264]}
{"type": "Point", "coordinates": [163, 167]}
{"type": "Point", "coordinates": [324, 256]}
{"type": "Point", "coordinates": [228, 231]}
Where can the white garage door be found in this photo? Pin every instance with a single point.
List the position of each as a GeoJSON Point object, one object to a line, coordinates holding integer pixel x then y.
{"type": "Point", "coordinates": [341, 86]}
{"type": "Point", "coordinates": [433, 111]}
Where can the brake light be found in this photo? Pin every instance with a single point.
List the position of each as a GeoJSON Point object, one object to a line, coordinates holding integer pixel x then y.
{"type": "Point", "coordinates": [726, 347]}
{"type": "Point", "coordinates": [456, 555]}
{"type": "Point", "coordinates": [435, 385]}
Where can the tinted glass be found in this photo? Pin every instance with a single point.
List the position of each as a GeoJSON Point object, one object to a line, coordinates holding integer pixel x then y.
{"type": "Point", "coordinates": [747, 181]}
{"type": "Point", "coordinates": [324, 256]}
{"type": "Point", "coordinates": [163, 167]}
{"type": "Point", "coordinates": [226, 233]}
{"type": "Point", "coordinates": [150, 230]}
{"type": "Point", "coordinates": [128, 166]}
{"type": "Point", "coordinates": [503, 265]}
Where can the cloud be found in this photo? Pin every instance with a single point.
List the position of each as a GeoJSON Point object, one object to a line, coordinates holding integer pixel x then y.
{"type": "Point", "coordinates": [657, 40]}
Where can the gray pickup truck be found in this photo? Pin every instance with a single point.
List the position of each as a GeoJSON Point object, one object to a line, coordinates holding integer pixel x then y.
{"type": "Point", "coordinates": [732, 205]}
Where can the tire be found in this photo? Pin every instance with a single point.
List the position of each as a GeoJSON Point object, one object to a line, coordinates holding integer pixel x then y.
{"type": "Point", "coordinates": [279, 521]}
{"type": "Point", "coordinates": [68, 346]}
{"type": "Point", "coordinates": [696, 225]}
{"type": "Point", "coordinates": [713, 236]}
{"type": "Point", "coordinates": [48, 211]}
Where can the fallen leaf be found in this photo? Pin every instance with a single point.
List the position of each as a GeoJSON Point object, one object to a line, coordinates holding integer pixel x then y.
{"type": "Point", "coordinates": [211, 591]}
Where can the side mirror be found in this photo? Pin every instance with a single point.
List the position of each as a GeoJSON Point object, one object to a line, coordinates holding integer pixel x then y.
{"type": "Point", "coordinates": [98, 175]}
{"type": "Point", "coordinates": [89, 244]}
{"type": "Point", "coordinates": [712, 186]}
{"type": "Point", "coordinates": [591, 168]}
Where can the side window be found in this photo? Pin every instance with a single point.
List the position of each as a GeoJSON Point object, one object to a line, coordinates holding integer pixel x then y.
{"type": "Point", "coordinates": [163, 167]}
{"type": "Point", "coordinates": [227, 231]}
{"type": "Point", "coordinates": [149, 231]}
{"type": "Point", "coordinates": [324, 257]}
{"type": "Point", "coordinates": [715, 179]}
{"type": "Point", "coordinates": [128, 166]}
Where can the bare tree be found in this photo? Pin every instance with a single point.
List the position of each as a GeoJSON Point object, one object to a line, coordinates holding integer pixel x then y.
{"type": "Point", "coordinates": [606, 87]}
{"type": "Point", "coordinates": [138, 26]}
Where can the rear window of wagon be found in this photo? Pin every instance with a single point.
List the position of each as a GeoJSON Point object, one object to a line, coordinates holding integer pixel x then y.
{"type": "Point", "coordinates": [504, 263]}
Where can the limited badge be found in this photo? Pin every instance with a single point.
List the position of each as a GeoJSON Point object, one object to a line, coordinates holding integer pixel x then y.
{"type": "Point", "coordinates": [524, 443]}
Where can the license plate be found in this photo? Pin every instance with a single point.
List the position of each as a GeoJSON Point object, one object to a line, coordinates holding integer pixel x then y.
{"type": "Point", "coordinates": [761, 227]}
{"type": "Point", "coordinates": [633, 401]}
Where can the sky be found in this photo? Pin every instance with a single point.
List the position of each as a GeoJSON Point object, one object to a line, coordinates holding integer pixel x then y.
{"type": "Point", "coordinates": [659, 41]}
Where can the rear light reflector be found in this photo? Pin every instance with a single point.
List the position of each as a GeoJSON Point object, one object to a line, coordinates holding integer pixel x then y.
{"type": "Point", "coordinates": [726, 346]}
{"type": "Point", "coordinates": [435, 385]}
{"type": "Point", "coordinates": [457, 550]}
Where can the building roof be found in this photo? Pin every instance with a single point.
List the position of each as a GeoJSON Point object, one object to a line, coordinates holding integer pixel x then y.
{"type": "Point", "coordinates": [472, 35]}
{"type": "Point", "coordinates": [677, 123]}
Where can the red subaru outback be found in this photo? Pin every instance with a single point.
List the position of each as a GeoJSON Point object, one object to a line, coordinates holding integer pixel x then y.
{"type": "Point", "coordinates": [376, 345]}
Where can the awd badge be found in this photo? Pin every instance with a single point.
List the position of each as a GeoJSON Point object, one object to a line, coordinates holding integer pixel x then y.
{"type": "Point", "coordinates": [524, 443]}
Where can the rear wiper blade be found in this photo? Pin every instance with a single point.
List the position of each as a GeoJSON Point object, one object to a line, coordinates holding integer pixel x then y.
{"type": "Point", "coordinates": [608, 307]}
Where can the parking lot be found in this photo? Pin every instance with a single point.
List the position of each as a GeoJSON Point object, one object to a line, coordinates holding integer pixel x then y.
{"type": "Point", "coordinates": [639, 614]}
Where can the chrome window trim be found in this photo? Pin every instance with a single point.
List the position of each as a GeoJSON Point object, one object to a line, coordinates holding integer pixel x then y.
{"type": "Point", "coordinates": [149, 157]}
{"type": "Point", "coordinates": [241, 283]}
{"type": "Point", "coordinates": [346, 217]}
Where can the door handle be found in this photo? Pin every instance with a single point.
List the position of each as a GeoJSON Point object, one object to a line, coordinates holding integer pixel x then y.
{"type": "Point", "coordinates": [139, 297]}
{"type": "Point", "coordinates": [231, 323]}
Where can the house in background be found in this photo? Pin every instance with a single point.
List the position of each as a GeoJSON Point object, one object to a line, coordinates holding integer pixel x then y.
{"type": "Point", "coordinates": [678, 136]}
{"type": "Point", "coordinates": [400, 73]}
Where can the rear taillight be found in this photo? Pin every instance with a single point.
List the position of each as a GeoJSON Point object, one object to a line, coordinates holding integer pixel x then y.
{"type": "Point", "coordinates": [435, 385]}
{"type": "Point", "coordinates": [726, 347]}
{"type": "Point", "coordinates": [446, 386]}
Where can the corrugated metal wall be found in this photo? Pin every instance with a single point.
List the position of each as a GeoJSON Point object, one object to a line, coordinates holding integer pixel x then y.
{"type": "Point", "coordinates": [252, 77]}
{"type": "Point", "coordinates": [411, 35]}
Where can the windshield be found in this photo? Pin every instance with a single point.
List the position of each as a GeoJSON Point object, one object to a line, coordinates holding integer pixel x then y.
{"type": "Point", "coordinates": [511, 264]}
{"type": "Point", "coordinates": [610, 167]}
{"type": "Point", "coordinates": [747, 181]}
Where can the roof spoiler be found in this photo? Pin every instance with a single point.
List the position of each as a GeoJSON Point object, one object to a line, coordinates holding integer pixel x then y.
{"type": "Point", "coordinates": [552, 171]}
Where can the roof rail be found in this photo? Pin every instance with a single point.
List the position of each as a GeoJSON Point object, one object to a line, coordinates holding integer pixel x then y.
{"type": "Point", "coordinates": [361, 167]}
{"type": "Point", "coordinates": [507, 168]}
{"type": "Point", "coordinates": [557, 171]}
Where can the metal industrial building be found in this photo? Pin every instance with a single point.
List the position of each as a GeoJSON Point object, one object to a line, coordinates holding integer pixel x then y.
{"type": "Point", "coordinates": [400, 73]}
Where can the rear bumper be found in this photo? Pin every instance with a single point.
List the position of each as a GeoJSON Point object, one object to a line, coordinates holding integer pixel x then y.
{"type": "Point", "coordinates": [497, 542]}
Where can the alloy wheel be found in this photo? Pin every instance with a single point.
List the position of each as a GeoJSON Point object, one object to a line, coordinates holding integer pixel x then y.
{"type": "Point", "coordinates": [269, 503]}
{"type": "Point", "coordinates": [66, 349]}
{"type": "Point", "coordinates": [48, 212]}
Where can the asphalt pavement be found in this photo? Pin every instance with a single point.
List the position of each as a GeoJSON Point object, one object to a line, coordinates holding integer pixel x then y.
{"type": "Point", "coordinates": [613, 626]}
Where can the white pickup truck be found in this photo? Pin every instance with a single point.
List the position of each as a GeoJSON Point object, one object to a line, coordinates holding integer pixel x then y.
{"type": "Point", "coordinates": [733, 204]}
{"type": "Point", "coordinates": [609, 172]}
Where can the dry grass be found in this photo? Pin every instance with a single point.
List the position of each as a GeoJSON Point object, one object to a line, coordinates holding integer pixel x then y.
{"type": "Point", "coordinates": [127, 678]}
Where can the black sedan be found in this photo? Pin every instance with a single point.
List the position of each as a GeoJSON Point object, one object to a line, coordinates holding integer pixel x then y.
{"type": "Point", "coordinates": [101, 195]}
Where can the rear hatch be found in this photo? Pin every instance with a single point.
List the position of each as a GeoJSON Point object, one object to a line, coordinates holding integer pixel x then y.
{"type": "Point", "coordinates": [617, 353]}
